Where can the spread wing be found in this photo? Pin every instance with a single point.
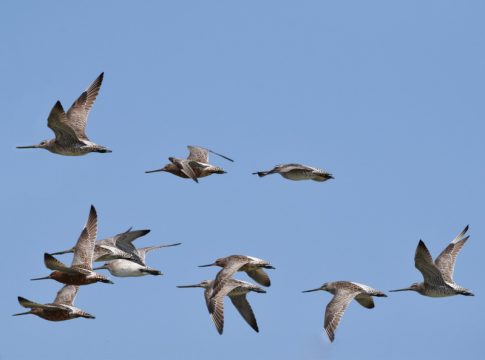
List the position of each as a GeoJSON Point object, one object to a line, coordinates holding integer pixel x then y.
{"type": "Point", "coordinates": [53, 264]}
{"type": "Point", "coordinates": [424, 263]}
{"type": "Point", "coordinates": [365, 300]}
{"type": "Point", "coordinates": [446, 260]}
{"type": "Point", "coordinates": [201, 154]}
{"type": "Point", "coordinates": [66, 295]}
{"type": "Point", "coordinates": [84, 249]}
{"type": "Point", "coordinates": [260, 276]}
{"type": "Point", "coordinates": [216, 306]}
{"type": "Point", "coordinates": [143, 251]}
{"type": "Point", "coordinates": [30, 304]}
{"type": "Point", "coordinates": [198, 154]}
{"type": "Point", "coordinates": [226, 273]}
{"type": "Point", "coordinates": [60, 125]}
{"type": "Point", "coordinates": [79, 111]}
{"type": "Point", "coordinates": [242, 305]}
{"type": "Point", "coordinates": [124, 241]}
{"type": "Point", "coordinates": [335, 310]}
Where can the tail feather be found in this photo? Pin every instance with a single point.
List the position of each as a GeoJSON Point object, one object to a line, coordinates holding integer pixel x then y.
{"type": "Point", "coordinates": [151, 271]}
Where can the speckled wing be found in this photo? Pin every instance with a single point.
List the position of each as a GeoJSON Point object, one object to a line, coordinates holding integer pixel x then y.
{"type": "Point", "coordinates": [84, 249]}
{"type": "Point", "coordinates": [59, 124]}
{"type": "Point", "coordinates": [242, 305]}
{"type": "Point", "coordinates": [198, 154]}
{"type": "Point", "coordinates": [335, 310]}
{"type": "Point", "coordinates": [216, 306]}
{"type": "Point", "coordinates": [424, 263]}
{"type": "Point", "coordinates": [79, 111]}
{"type": "Point", "coordinates": [446, 260]}
{"type": "Point", "coordinates": [66, 295]}
{"type": "Point", "coordinates": [365, 300]}
{"type": "Point", "coordinates": [201, 154]}
{"type": "Point", "coordinates": [260, 276]}
{"type": "Point", "coordinates": [226, 273]}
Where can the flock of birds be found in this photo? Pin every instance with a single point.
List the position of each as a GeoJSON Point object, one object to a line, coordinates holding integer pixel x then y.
{"type": "Point", "coordinates": [123, 259]}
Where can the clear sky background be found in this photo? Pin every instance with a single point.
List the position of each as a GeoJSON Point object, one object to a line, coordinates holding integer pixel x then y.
{"type": "Point", "coordinates": [387, 96]}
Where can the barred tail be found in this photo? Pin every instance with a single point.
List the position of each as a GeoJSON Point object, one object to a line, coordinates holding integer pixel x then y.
{"type": "Point", "coordinates": [86, 315]}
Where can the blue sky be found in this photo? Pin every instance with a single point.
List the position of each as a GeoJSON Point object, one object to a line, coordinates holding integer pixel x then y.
{"type": "Point", "coordinates": [387, 96]}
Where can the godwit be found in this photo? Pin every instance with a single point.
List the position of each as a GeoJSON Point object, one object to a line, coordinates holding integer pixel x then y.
{"type": "Point", "coordinates": [343, 292]}
{"type": "Point", "coordinates": [117, 247]}
{"type": "Point", "coordinates": [80, 272]}
{"type": "Point", "coordinates": [69, 127]}
{"type": "Point", "coordinates": [195, 166]}
{"type": "Point", "coordinates": [61, 309]}
{"type": "Point", "coordinates": [438, 275]}
{"type": "Point", "coordinates": [230, 264]}
{"type": "Point", "coordinates": [297, 172]}
{"type": "Point", "coordinates": [236, 290]}
{"type": "Point", "coordinates": [127, 268]}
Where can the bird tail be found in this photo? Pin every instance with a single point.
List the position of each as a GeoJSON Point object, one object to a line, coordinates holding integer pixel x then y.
{"type": "Point", "coordinates": [151, 271]}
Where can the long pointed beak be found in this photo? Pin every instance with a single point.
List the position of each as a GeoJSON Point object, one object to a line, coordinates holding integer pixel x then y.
{"type": "Point", "coordinates": [189, 286]}
{"type": "Point", "coordinates": [311, 290]}
{"type": "Point", "coordinates": [27, 147]}
{"type": "Point", "coordinates": [42, 278]}
{"type": "Point", "coordinates": [24, 313]}
{"type": "Point", "coordinates": [152, 171]}
{"type": "Point", "coordinates": [213, 264]}
{"type": "Point", "coordinates": [88, 316]}
{"type": "Point", "coordinates": [269, 267]}
{"type": "Point", "coordinates": [62, 252]}
{"type": "Point", "coordinates": [403, 289]}
{"type": "Point", "coordinates": [169, 245]}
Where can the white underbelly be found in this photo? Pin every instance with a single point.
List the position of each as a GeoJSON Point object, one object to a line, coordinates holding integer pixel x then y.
{"type": "Point", "coordinates": [126, 268]}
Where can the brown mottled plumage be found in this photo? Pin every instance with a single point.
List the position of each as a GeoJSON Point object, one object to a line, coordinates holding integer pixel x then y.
{"type": "Point", "coordinates": [80, 272]}
{"type": "Point", "coordinates": [61, 309]}
{"type": "Point", "coordinates": [236, 290]}
{"type": "Point", "coordinates": [195, 166]}
{"type": "Point", "coordinates": [438, 275]}
{"type": "Point", "coordinates": [344, 292]}
{"type": "Point", "coordinates": [69, 128]}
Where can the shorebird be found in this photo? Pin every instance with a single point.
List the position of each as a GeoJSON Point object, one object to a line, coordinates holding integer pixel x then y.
{"type": "Point", "coordinates": [343, 292]}
{"type": "Point", "coordinates": [438, 275]}
{"type": "Point", "coordinates": [61, 309]}
{"type": "Point", "coordinates": [236, 290]}
{"type": "Point", "coordinates": [127, 268]}
{"type": "Point", "coordinates": [69, 128]}
{"type": "Point", "coordinates": [117, 247]}
{"type": "Point", "coordinates": [297, 172]}
{"type": "Point", "coordinates": [80, 272]}
{"type": "Point", "coordinates": [230, 264]}
{"type": "Point", "coordinates": [195, 166]}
